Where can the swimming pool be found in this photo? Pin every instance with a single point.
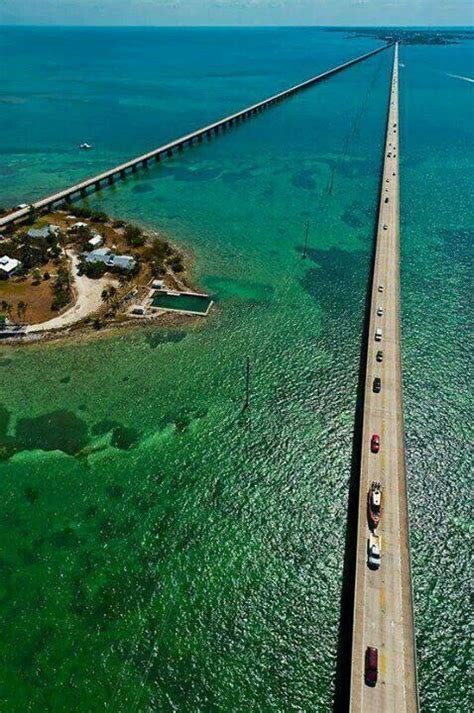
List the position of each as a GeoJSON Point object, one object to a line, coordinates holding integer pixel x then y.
{"type": "Point", "coordinates": [183, 302]}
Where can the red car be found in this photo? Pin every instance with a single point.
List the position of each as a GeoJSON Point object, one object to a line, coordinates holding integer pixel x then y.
{"type": "Point", "coordinates": [375, 443]}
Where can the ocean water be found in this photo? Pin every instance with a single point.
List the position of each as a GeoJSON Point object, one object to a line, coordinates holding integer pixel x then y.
{"type": "Point", "coordinates": [162, 550]}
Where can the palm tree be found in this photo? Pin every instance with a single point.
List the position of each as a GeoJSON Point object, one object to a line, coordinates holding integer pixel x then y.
{"type": "Point", "coordinates": [105, 295]}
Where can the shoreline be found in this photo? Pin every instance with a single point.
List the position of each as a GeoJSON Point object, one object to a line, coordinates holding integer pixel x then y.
{"type": "Point", "coordinates": [163, 271]}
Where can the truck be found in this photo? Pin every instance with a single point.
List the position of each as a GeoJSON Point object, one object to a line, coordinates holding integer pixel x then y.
{"type": "Point", "coordinates": [378, 335]}
{"type": "Point", "coordinates": [374, 551]}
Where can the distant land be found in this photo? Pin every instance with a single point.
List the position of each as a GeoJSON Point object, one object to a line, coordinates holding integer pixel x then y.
{"type": "Point", "coordinates": [412, 37]}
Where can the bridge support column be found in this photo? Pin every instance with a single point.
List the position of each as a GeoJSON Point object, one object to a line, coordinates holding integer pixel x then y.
{"type": "Point", "coordinates": [145, 163]}
{"type": "Point", "coordinates": [97, 185]}
{"type": "Point", "coordinates": [83, 192]}
{"type": "Point", "coordinates": [200, 138]}
{"type": "Point", "coordinates": [169, 153]}
{"type": "Point", "coordinates": [157, 158]}
{"type": "Point", "coordinates": [123, 173]}
{"type": "Point", "coordinates": [134, 168]}
{"type": "Point", "coordinates": [110, 180]}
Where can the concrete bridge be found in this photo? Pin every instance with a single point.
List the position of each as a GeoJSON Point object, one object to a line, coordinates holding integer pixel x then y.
{"type": "Point", "coordinates": [383, 607]}
{"type": "Point", "coordinates": [167, 150]}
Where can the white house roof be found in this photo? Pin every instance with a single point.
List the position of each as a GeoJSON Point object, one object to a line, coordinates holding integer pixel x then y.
{"type": "Point", "coordinates": [96, 241]}
{"type": "Point", "coordinates": [78, 225]}
{"type": "Point", "coordinates": [9, 264]}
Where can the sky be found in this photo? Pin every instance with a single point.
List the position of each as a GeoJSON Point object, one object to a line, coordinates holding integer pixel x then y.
{"type": "Point", "coordinates": [237, 12]}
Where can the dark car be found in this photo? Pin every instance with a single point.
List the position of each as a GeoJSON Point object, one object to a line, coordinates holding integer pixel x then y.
{"type": "Point", "coordinates": [379, 355]}
{"type": "Point", "coordinates": [386, 200]}
{"type": "Point", "coordinates": [377, 385]}
{"type": "Point", "coordinates": [371, 666]}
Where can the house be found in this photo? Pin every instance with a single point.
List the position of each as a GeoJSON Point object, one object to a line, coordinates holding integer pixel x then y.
{"type": "Point", "coordinates": [96, 242]}
{"type": "Point", "coordinates": [8, 266]}
{"type": "Point", "coordinates": [99, 255]}
{"type": "Point", "coordinates": [108, 258]}
{"type": "Point", "coordinates": [46, 232]}
{"type": "Point", "coordinates": [77, 226]}
{"type": "Point", "coordinates": [123, 262]}
{"type": "Point", "coordinates": [158, 284]}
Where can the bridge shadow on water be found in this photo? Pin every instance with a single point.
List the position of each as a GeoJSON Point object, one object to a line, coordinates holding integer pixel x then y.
{"type": "Point", "coordinates": [344, 648]}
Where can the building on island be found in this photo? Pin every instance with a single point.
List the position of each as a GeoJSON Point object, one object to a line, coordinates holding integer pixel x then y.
{"type": "Point", "coordinates": [77, 226]}
{"type": "Point", "coordinates": [46, 232]}
{"type": "Point", "coordinates": [8, 266]}
{"type": "Point", "coordinates": [95, 242]}
{"type": "Point", "coordinates": [108, 258]}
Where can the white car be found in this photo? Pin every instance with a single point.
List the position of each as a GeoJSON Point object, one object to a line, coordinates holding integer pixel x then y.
{"type": "Point", "coordinates": [21, 206]}
{"type": "Point", "coordinates": [379, 312]}
{"type": "Point", "coordinates": [380, 288]}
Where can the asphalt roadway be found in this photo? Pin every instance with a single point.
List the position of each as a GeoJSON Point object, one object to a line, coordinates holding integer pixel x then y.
{"type": "Point", "coordinates": [383, 610]}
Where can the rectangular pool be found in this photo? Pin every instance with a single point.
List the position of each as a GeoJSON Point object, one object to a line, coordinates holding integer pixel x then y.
{"type": "Point", "coordinates": [183, 302]}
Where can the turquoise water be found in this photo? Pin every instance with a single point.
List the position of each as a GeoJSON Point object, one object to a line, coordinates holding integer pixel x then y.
{"type": "Point", "coordinates": [161, 549]}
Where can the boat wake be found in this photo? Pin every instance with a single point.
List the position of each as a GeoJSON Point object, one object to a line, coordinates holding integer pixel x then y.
{"type": "Point", "coordinates": [459, 76]}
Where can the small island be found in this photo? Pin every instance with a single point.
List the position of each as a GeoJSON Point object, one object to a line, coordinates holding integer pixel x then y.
{"type": "Point", "coordinates": [78, 271]}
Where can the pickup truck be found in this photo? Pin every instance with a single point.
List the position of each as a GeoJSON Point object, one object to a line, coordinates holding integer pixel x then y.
{"type": "Point", "coordinates": [374, 550]}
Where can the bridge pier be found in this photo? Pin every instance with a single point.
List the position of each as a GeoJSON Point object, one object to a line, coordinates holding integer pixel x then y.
{"type": "Point", "coordinates": [83, 192]}
{"type": "Point", "coordinates": [97, 185]}
{"type": "Point", "coordinates": [110, 180]}
{"type": "Point", "coordinates": [123, 173]}
{"type": "Point", "coordinates": [169, 153]}
{"type": "Point", "coordinates": [157, 158]}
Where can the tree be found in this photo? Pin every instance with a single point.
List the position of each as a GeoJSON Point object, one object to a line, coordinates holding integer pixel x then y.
{"type": "Point", "coordinates": [32, 214]}
{"type": "Point", "coordinates": [6, 307]}
{"type": "Point", "coordinates": [109, 294]}
{"type": "Point", "coordinates": [21, 310]}
{"type": "Point", "coordinates": [134, 236]}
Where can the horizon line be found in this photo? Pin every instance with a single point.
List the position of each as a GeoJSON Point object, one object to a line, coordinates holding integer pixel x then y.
{"type": "Point", "coordinates": [235, 26]}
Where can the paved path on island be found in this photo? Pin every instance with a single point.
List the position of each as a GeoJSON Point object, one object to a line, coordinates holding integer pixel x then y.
{"type": "Point", "coordinates": [383, 609]}
{"type": "Point", "coordinates": [156, 154]}
{"type": "Point", "coordinates": [88, 299]}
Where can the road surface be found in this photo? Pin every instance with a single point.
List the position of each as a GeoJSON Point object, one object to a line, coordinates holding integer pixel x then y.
{"type": "Point", "coordinates": [383, 613]}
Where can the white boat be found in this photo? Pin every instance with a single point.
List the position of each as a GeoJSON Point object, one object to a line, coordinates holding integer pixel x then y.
{"type": "Point", "coordinates": [85, 146]}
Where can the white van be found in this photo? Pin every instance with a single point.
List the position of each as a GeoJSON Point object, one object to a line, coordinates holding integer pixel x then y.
{"type": "Point", "coordinates": [378, 335]}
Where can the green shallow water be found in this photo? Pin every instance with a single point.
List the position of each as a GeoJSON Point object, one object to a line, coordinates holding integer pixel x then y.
{"type": "Point", "coordinates": [162, 550]}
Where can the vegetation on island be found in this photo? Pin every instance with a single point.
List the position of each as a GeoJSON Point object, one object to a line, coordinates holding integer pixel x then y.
{"type": "Point", "coordinates": [42, 286]}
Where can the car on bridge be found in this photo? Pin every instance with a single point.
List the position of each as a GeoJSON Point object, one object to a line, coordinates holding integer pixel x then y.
{"type": "Point", "coordinates": [379, 312]}
{"type": "Point", "coordinates": [371, 666]}
{"type": "Point", "coordinates": [377, 385]}
{"type": "Point", "coordinates": [379, 356]}
{"type": "Point", "coordinates": [375, 443]}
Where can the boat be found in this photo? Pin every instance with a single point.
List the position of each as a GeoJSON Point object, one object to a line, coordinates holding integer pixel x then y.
{"type": "Point", "coordinates": [374, 505]}
{"type": "Point", "coordinates": [85, 146]}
